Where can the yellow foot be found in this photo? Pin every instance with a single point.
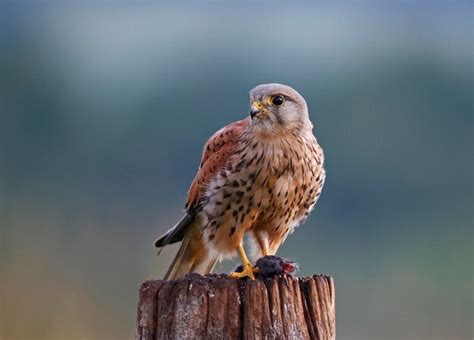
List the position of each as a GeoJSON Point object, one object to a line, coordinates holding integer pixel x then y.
{"type": "Point", "coordinates": [247, 272]}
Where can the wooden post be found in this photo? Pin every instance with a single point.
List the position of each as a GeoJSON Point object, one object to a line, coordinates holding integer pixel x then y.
{"type": "Point", "coordinates": [218, 307]}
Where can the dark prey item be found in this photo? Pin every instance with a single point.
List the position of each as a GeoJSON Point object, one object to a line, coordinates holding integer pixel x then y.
{"type": "Point", "coordinates": [271, 265]}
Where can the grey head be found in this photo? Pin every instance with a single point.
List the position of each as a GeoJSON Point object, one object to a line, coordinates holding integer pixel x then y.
{"type": "Point", "coordinates": [278, 107]}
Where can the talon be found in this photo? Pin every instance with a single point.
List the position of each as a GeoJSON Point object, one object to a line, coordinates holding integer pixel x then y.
{"type": "Point", "coordinates": [248, 271]}
{"type": "Point", "coordinates": [247, 268]}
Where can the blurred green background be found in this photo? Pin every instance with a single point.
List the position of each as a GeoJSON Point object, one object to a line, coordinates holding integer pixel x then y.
{"type": "Point", "coordinates": [104, 108]}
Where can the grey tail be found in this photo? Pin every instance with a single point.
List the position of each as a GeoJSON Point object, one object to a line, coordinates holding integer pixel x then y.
{"type": "Point", "coordinates": [192, 255]}
{"type": "Point", "coordinates": [191, 258]}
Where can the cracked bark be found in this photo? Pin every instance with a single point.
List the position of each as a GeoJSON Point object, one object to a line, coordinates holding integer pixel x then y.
{"type": "Point", "coordinates": [218, 307]}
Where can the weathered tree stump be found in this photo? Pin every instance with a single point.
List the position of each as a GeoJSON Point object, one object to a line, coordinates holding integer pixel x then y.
{"type": "Point", "coordinates": [218, 307]}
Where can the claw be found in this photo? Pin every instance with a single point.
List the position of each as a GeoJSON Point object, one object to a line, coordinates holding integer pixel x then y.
{"type": "Point", "coordinates": [248, 271]}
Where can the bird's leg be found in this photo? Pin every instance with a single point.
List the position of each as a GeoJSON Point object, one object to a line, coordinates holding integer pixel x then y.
{"type": "Point", "coordinates": [263, 242]}
{"type": "Point", "coordinates": [248, 269]}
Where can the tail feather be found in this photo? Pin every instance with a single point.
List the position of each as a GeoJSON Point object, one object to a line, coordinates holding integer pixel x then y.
{"type": "Point", "coordinates": [192, 255]}
{"type": "Point", "coordinates": [210, 265]}
{"type": "Point", "coordinates": [176, 233]}
{"type": "Point", "coordinates": [182, 262]}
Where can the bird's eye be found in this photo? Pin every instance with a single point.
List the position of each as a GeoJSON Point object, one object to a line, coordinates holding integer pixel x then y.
{"type": "Point", "coordinates": [277, 100]}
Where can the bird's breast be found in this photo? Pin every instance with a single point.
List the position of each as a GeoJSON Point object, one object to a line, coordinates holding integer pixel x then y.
{"type": "Point", "coordinates": [274, 183]}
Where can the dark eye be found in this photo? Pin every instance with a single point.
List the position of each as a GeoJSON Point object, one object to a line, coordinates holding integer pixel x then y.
{"type": "Point", "coordinates": [278, 100]}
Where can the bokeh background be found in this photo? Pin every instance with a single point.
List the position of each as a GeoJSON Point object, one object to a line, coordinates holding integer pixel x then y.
{"type": "Point", "coordinates": [104, 108]}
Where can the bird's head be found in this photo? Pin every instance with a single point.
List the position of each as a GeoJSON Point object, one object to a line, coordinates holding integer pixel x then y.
{"type": "Point", "coordinates": [277, 107]}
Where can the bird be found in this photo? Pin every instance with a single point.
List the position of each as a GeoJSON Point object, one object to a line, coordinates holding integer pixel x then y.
{"type": "Point", "coordinates": [259, 177]}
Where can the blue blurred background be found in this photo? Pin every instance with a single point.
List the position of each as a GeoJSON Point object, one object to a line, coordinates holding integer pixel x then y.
{"type": "Point", "coordinates": [104, 108]}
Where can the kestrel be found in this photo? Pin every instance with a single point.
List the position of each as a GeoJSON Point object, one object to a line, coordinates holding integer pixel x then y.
{"type": "Point", "coordinates": [259, 176]}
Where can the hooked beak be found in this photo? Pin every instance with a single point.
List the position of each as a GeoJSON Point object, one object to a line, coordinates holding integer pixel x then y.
{"type": "Point", "coordinates": [256, 108]}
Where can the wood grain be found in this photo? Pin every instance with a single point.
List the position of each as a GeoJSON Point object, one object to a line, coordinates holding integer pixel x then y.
{"type": "Point", "coordinates": [218, 307]}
